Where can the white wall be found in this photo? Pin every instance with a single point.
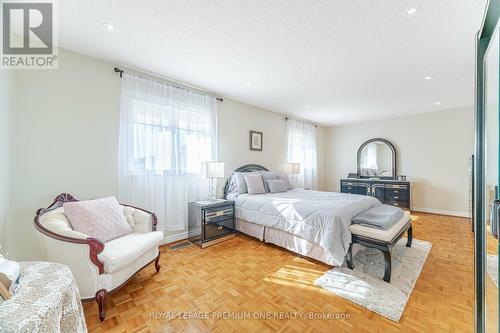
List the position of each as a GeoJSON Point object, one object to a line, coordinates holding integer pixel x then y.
{"type": "Point", "coordinates": [433, 151]}
{"type": "Point", "coordinates": [66, 138]}
{"type": "Point", "coordinates": [5, 159]}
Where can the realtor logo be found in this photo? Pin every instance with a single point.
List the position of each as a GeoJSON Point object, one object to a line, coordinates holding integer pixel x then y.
{"type": "Point", "coordinates": [28, 35]}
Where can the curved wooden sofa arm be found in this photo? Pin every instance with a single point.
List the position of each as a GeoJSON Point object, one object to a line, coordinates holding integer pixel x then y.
{"type": "Point", "coordinates": [95, 246]}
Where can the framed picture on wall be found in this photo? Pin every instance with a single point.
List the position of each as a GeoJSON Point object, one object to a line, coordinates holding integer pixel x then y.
{"type": "Point", "coordinates": [256, 139]}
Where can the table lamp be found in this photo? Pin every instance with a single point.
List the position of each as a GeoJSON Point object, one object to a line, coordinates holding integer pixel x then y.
{"type": "Point", "coordinates": [213, 170]}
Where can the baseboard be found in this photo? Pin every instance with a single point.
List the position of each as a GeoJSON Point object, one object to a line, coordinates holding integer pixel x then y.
{"type": "Point", "coordinates": [441, 212]}
{"type": "Point", "coordinates": [174, 238]}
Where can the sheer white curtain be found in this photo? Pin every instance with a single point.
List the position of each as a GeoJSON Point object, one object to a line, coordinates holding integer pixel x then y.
{"type": "Point", "coordinates": [166, 132]}
{"type": "Point", "coordinates": [301, 148]}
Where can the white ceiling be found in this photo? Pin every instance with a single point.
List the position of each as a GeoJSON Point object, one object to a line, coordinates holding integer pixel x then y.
{"type": "Point", "coordinates": [330, 62]}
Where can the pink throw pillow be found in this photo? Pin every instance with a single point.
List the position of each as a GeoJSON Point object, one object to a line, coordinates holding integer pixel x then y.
{"type": "Point", "coordinates": [102, 219]}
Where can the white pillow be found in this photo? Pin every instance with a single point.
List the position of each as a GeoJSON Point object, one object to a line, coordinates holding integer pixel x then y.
{"type": "Point", "coordinates": [276, 186]}
{"type": "Point", "coordinates": [255, 184]}
{"type": "Point", "coordinates": [285, 179]}
{"type": "Point", "coordinates": [102, 219]}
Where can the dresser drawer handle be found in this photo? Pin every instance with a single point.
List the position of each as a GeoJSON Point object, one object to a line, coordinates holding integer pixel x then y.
{"type": "Point", "coordinates": [396, 197]}
{"type": "Point", "coordinates": [219, 227]}
{"type": "Point", "coordinates": [402, 187]}
{"type": "Point", "coordinates": [349, 188]}
{"type": "Point", "coordinates": [395, 204]}
{"type": "Point", "coordinates": [396, 191]}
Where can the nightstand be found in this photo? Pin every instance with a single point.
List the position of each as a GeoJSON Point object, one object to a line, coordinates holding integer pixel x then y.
{"type": "Point", "coordinates": [210, 222]}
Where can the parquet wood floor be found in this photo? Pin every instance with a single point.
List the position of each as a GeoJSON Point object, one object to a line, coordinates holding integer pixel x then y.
{"type": "Point", "coordinates": [245, 275]}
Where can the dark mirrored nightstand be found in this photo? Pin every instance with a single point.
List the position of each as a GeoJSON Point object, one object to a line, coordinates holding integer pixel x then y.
{"type": "Point", "coordinates": [210, 222]}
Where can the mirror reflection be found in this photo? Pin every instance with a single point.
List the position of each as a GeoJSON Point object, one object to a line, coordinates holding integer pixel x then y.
{"type": "Point", "coordinates": [376, 160]}
{"type": "Point", "coordinates": [492, 193]}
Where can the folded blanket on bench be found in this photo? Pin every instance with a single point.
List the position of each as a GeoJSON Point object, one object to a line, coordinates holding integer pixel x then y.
{"type": "Point", "coordinates": [380, 217]}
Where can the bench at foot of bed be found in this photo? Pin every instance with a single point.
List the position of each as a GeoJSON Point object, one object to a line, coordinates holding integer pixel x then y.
{"type": "Point", "coordinates": [383, 240]}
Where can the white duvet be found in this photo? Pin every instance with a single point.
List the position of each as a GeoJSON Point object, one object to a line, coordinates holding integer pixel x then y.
{"type": "Point", "coordinates": [322, 218]}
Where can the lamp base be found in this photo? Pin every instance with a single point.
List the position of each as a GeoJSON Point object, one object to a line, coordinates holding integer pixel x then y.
{"type": "Point", "coordinates": [212, 190]}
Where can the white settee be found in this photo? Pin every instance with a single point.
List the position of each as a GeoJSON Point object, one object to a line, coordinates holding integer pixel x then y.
{"type": "Point", "coordinates": [99, 268]}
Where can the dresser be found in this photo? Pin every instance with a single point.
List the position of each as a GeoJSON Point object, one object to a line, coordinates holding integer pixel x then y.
{"type": "Point", "coordinates": [390, 192]}
{"type": "Point", "coordinates": [210, 222]}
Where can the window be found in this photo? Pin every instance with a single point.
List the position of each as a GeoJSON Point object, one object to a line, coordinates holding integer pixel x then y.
{"type": "Point", "coordinates": [166, 132]}
{"type": "Point", "coordinates": [163, 144]}
{"type": "Point", "coordinates": [301, 148]}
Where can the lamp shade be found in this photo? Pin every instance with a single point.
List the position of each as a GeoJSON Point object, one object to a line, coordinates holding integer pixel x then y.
{"type": "Point", "coordinates": [292, 168]}
{"type": "Point", "coordinates": [213, 169]}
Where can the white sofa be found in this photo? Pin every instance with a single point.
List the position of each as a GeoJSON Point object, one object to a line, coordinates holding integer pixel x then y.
{"type": "Point", "coordinates": [99, 268]}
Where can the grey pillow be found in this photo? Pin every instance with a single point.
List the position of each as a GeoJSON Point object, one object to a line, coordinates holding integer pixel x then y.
{"type": "Point", "coordinates": [285, 179]}
{"type": "Point", "coordinates": [267, 176]}
{"type": "Point", "coordinates": [239, 177]}
{"type": "Point", "coordinates": [254, 184]}
{"type": "Point", "coordinates": [276, 186]}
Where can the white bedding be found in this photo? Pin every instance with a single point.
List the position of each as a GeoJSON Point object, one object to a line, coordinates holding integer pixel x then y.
{"type": "Point", "coordinates": [319, 217]}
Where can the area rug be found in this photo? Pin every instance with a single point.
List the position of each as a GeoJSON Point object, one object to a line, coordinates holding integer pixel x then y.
{"type": "Point", "coordinates": [492, 268]}
{"type": "Point", "coordinates": [364, 284]}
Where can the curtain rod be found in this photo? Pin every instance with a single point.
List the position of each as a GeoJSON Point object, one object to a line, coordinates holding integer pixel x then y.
{"type": "Point", "coordinates": [119, 70]}
{"type": "Point", "coordinates": [308, 122]}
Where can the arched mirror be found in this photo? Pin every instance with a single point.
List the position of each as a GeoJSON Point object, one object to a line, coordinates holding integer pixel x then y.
{"type": "Point", "coordinates": [377, 159]}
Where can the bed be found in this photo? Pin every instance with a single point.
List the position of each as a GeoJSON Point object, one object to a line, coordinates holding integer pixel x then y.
{"type": "Point", "coordinates": [310, 223]}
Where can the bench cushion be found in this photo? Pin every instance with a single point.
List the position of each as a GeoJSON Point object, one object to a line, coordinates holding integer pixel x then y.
{"type": "Point", "coordinates": [379, 234]}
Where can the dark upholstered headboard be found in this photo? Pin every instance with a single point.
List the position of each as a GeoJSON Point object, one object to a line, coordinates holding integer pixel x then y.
{"type": "Point", "coordinates": [244, 168]}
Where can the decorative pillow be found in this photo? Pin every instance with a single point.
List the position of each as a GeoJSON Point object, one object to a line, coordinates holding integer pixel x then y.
{"type": "Point", "coordinates": [102, 219]}
{"type": "Point", "coordinates": [232, 186]}
{"type": "Point", "coordinates": [285, 179]}
{"type": "Point", "coordinates": [267, 176]}
{"type": "Point", "coordinates": [276, 186]}
{"type": "Point", "coordinates": [239, 177]}
{"type": "Point", "coordinates": [255, 184]}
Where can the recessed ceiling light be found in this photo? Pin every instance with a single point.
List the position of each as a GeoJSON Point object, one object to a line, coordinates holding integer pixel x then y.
{"type": "Point", "coordinates": [429, 77]}
{"type": "Point", "coordinates": [248, 84]}
{"type": "Point", "coordinates": [108, 26]}
{"type": "Point", "coordinates": [307, 107]}
{"type": "Point", "coordinates": [437, 103]}
{"type": "Point", "coordinates": [413, 10]}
